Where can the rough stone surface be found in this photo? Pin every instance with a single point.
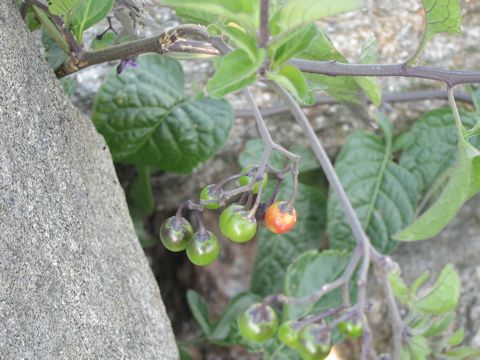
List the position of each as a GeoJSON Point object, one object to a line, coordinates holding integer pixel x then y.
{"type": "Point", "coordinates": [74, 283]}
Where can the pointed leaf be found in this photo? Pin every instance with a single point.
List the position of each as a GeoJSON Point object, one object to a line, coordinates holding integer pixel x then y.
{"type": "Point", "coordinates": [241, 39]}
{"type": "Point", "coordinates": [235, 72]}
{"type": "Point", "coordinates": [87, 14]}
{"type": "Point", "coordinates": [456, 338]}
{"type": "Point", "coordinates": [370, 85]}
{"type": "Point", "coordinates": [199, 309]}
{"type": "Point", "coordinates": [444, 295]}
{"type": "Point", "coordinates": [399, 288]}
{"type": "Point", "coordinates": [439, 326]}
{"type": "Point", "coordinates": [462, 353]}
{"type": "Point", "coordinates": [292, 79]}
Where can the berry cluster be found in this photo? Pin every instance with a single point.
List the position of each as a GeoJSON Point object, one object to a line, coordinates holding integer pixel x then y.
{"type": "Point", "coordinates": [238, 221]}
{"type": "Point", "coordinates": [312, 340]}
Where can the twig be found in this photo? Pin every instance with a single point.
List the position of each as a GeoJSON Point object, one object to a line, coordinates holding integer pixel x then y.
{"type": "Point", "coordinates": [391, 97]}
{"type": "Point", "coordinates": [264, 20]}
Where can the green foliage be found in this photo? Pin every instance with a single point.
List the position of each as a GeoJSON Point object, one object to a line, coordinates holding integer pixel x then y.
{"type": "Point", "coordinates": [199, 308]}
{"type": "Point", "coordinates": [244, 12]}
{"type": "Point", "coordinates": [307, 274]}
{"type": "Point", "coordinates": [383, 193]}
{"type": "Point", "coordinates": [87, 14]}
{"type": "Point", "coordinates": [62, 8]}
{"type": "Point", "coordinates": [300, 12]}
{"type": "Point", "coordinates": [292, 79]}
{"type": "Point", "coordinates": [370, 85]}
{"type": "Point", "coordinates": [147, 119]}
{"type": "Point", "coordinates": [54, 54]}
{"type": "Point", "coordinates": [235, 71]}
{"type": "Point", "coordinates": [140, 194]}
{"type": "Point", "coordinates": [240, 38]}
{"type": "Point", "coordinates": [276, 252]}
{"type": "Point", "coordinates": [442, 16]}
{"type": "Point", "coordinates": [107, 39]}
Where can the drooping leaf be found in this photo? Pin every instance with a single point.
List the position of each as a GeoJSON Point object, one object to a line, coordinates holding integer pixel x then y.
{"type": "Point", "coordinates": [235, 71]}
{"type": "Point", "coordinates": [307, 274]}
{"type": "Point", "coordinates": [299, 12]}
{"type": "Point", "coordinates": [199, 309]}
{"type": "Point", "coordinates": [291, 43]}
{"type": "Point", "coordinates": [147, 119]}
{"type": "Point", "coordinates": [442, 16]}
{"type": "Point", "coordinates": [291, 79]}
{"type": "Point", "coordinates": [383, 193]}
{"type": "Point", "coordinates": [87, 14]}
{"type": "Point", "coordinates": [244, 12]}
{"type": "Point", "coordinates": [343, 88]}
{"type": "Point", "coordinates": [463, 183]}
{"type": "Point", "coordinates": [444, 295]}
{"type": "Point", "coordinates": [276, 252]}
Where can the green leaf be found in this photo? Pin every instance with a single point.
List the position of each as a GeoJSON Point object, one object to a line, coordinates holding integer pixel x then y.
{"type": "Point", "coordinates": [107, 39]}
{"type": "Point", "coordinates": [442, 16]}
{"type": "Point", "coordinates": [62, 8]}
{"type": "Point", "coordinates": [144, 237]}
{"type": "Point", "coordinates": [199, 309]}
{"type": "Point", "coordinates": [292, 79]}
{"type": "Point", "coordinates": [276, 252]}
{"type": "Point", "coordinates": [31, 19]}
{"type": "Point", "coordinates": [432, 144]}
{"type": "Point", "coordinates": [456, 338]}
{"type": "Point", "coordinates": [49, 27]}
{"type": "Point", "coordinates": [399, 288]}
{"type": "Point", "coordinates": [87, 14]}
{"type": "Point", "coordinates": [299, 12]}
{"type": "Point", "coordinates": [140, 193]}
{"type": "Point", "coordinates": [444, 295]}
{"type": "Point", "coordinates": [463, 184]}
{"type": "Point", "coordinates": [291, 43]}
{"type": "Point", "coordinates": [191, 16]}
{"type": "Point", "coordinates": [69, 85]}
{"type": "Point", "coordinates": [439, 326]}
{"type": "Point", "coordinates": [418, 282]}
{"type": "Point", "coordinates": [54, 54]}
{"type": "Point", "coordinates": [383, 193]}
{"type": "Point", "coordinates": [235, 72]}
{"type": "Point", "coordinates": [462, 353]}
{"type": "Point", "coordinates": [184, 353]}
{"type": "Point", "coordinates": [225, 327]}
{"type": "Point", "coordinates": [240, 38]}
{"type": "Point", "coordinates": [244, 12]}
{"type": "Point", "coordinates": [147, 119]}
{"type": "Point", "coordinates": [419, 348]}
{"type": "Point", "coordinates": [343, 88]}
{"type": "Point", "coordinates": [370, 85]}
{"type": "Point", "coordinates": [307, 274]}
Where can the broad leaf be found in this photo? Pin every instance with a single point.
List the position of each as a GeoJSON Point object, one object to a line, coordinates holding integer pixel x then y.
{"type": "Point", "coordinates": [276, 252]}
{"type": "Point", "coordinates": [292, 79]}
{"type": "Point", "coordinates": [307, 274]}
{"type": "Point", "coordinates": [444, 295]}
{"type": "Point", "coordinates": [463, 183]}
{"type": "Point", "coordinates": [442, 16]}
{"type": "Point", "coordinates": [199, 309]}
{"type": "Point", "coordinates": [291, 43]}
{"type": "Point", "coordinates": [235, 71]}
{"type": "Point", "coordinates": [87, 14]}
{"type": "Point", "coordinates": [299, 12]}
{"type": "Point", "coordinates": [244, 12]}
{"type": "Point", "coordinates": [147, 119]}
{"type": "Point", "coordinates": [383, 193]}
{"type": "Point", "coordinates": [432, 144]}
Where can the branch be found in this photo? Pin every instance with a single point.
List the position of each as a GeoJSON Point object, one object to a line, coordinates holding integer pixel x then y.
{"type": "Point", "coordinates": [332, 68]}
{"type": "Point", "coordinates": [264, 19]}
{"type": "Point", "coordinates": [392, 97]}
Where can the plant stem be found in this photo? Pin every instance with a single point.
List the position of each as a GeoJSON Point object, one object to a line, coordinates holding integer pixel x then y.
{"type": "Point", "coordinates": [264, 26]}
{"type": "Point", "coordinates": [456, 114]}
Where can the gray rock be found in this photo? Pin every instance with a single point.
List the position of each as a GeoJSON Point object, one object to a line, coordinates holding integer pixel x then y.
{"type": "Point", "coordinates": [74, 282]}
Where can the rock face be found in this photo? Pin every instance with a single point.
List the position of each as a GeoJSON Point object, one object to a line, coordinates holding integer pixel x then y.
{"type": "Point", "coordinates": [74, 282]}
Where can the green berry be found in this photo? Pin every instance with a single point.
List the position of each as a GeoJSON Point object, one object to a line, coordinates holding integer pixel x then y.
{"type": "Point", "coordinates": [314, 342]}
{"type": "Point", "coordinates": [175, 233]}
{"type": "Point", "coordinates": [236, 225]}
{"type": "Point", "coordinates": [258, 323]}
{"type": "Point", "coordinates": [351, 329]}
{"type": "Point", "coordinates": [203, 248]}
{"type": "Point", "coordinates": [244, 180]}
{"type": "Point", "coordinates": [209, 192]}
